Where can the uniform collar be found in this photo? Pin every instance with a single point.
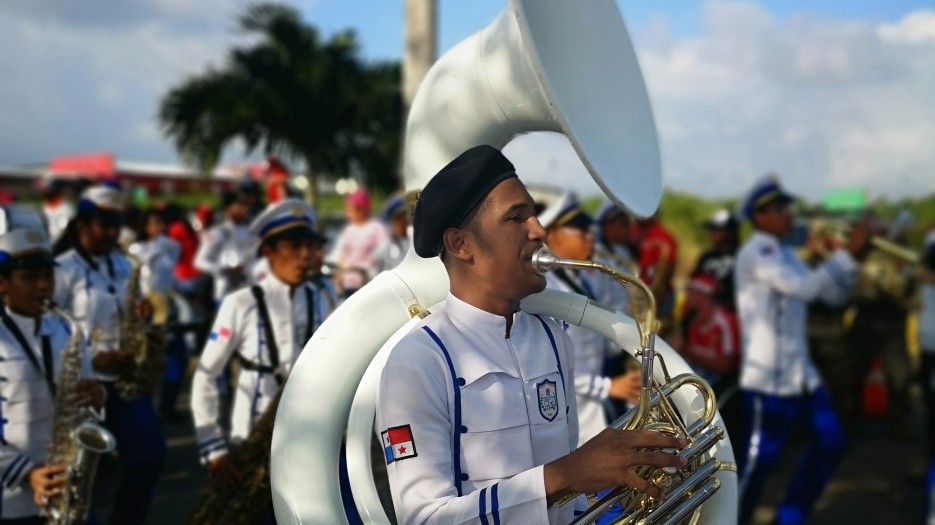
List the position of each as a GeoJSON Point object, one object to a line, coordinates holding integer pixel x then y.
{"type": "Point", "coordinates": [767, 237]}
{"type": "Point", "coordinates": [477, 319]}
{"type": "Point", "coordinates": [26, 325]}
{"type": "Point", "coordinates": [276, 286]}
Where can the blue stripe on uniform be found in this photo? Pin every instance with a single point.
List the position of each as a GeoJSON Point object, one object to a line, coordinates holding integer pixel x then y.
{"type": "Point", "coordinates": [558, 361]}
{"type": "Point", "coordinates": [495, 504]}
{"type": "Point", "coordinates": [282, 221]}
{"type": "Point", "coordinates": [19, 470]}
{"type": "Point", "coordinates": [6, 474]}
{"type": "Point", "coordinates": [456, 448]}
{"type": "Point", "coordinates": [206, 452]}
{"type": "Point", "coordinates": [483, 507]}
{"type": "Point", "coordinates": [210, 442]}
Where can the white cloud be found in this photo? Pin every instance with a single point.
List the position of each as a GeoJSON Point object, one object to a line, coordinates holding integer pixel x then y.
{"type": "Point", "coordinates": [824, 102]}
{"type": "Point", "coordinates": [915, 29]}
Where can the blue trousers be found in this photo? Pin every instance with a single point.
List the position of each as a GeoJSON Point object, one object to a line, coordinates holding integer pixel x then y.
{"type": "Point", "coordinates": [768, 421]}
{"type": "Point", "coordinates": [141, 449]}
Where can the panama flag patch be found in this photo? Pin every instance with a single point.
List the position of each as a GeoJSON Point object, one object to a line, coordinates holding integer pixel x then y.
{"type": "Point", "coordinates": [220, 334]}
{"type": "Point", "coordinates": [548, 399]}
{"type": "Point", "coordinates": [398, 444]}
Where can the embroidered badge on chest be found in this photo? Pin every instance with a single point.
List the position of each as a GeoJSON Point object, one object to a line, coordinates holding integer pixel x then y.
{"type": "Point", "coordinates": [548, 399]}
{"type": "Point", "coordinates": [398, 444]}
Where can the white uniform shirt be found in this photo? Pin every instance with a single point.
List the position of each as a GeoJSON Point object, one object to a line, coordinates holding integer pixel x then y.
{"type": "Point", "coordinates": [93, 290]}
{"type": "Point", "coordinates": [482, 416]}
{"type": "Point", "coordinates": [238, 329]}
{"type": "Point", "coordinates": [773, 286]}
{"type": "Point", "coordinates": [26, 407]}
{"type": "Point", "coordinates": [224, 246]}
{"type": "Point", "coordinates": [590, 351]}
{"type": "Point", "coordinates": [392, 252]}
{"type": "Point", "coordinates": [609, 292]}
{"type": "Point", "coordinates": [57, 218]}
{"type": "Point", "coordinates": [158, 257]}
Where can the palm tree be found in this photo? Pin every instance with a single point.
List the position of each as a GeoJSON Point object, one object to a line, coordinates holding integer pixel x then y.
{"type": "Point", "coordinates": [292, 94]}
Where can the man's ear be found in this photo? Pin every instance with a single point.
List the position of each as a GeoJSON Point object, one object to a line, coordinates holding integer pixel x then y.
{"type": "Point", "coordinates": [4, 284]}
{"type": "Point", "coordinates": [265, 249]}
{"type": "Point", "coordinates": [457, 244]}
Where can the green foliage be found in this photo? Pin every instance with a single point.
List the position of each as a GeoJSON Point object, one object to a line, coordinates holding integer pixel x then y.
{"type": "Point", "coordinates": [292, 94]}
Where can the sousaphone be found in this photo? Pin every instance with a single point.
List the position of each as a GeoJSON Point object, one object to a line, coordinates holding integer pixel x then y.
{"type": "Point", "coordinates": [542, 65]}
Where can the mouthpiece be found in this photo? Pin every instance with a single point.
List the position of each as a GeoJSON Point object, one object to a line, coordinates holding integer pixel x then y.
{"type": "Point", "coordinates": [544, 261]}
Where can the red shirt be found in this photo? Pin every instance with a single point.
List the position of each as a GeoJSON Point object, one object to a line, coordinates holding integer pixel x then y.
{"type": "Point", "coordinates": [657, 247]}
{"type": "Point", "coordinates": [188, 240]}
{"type": "Point", "coordinates": [715, 345]}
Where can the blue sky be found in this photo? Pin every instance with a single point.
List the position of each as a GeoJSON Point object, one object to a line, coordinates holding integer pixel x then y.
{"type": "Point", "coordinates": [829, 94]}
{"type": "Point", "coordinates": [375, 21]}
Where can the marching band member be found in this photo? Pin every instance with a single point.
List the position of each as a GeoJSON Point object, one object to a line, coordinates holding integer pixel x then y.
{"type": "Point", "coordinates": [223, 251]}
{"type": "Point", "coordinates": [265, 327]}
{"type": "Point", "coordinates": [90, 283]}
{"type": "Point", "coordinates": [31, 345]}
{"type": "Point", "coordinates": [780, 385]}
{"type": "Point", "coordinates": [474, 406]}
{"type": "Point", "coordinates": [611, 249]}
{"type": "Point", "coordinates": [568, 235]}
{"type": "Point", "coordinates": [158, 255]}
{"type": "Point", "coordinates": [397, 242]}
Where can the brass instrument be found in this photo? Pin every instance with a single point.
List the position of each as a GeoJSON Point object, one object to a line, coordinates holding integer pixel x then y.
{"type": "Point", "coordinates": [242, 501]}
{"type": "Point", "coordinates": [136, 337]}
{"type": "Point", "coordinates": [840, 231]}
{"type": "Point", "coordinates": [685, 488]}
{"type": "Point", "coordinates": [78, 441]}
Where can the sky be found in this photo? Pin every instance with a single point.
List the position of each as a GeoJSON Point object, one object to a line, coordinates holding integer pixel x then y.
{"type": "Point", "coordinates": [828, 95]}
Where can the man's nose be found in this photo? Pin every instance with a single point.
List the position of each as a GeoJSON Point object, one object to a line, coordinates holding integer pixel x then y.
{"type": "Point", "coordinates": [536, 231]}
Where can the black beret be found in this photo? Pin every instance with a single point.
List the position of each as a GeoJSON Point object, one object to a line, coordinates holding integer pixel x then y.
{"type": "Point", "coordinates": [454, 192]}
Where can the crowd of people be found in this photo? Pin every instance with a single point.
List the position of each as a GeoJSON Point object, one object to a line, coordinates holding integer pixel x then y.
{"type": "Point", "coordinates": [784, 334]}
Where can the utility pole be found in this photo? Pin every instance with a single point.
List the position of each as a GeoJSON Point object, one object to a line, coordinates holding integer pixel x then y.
{"type": "Point", "coordinates": [420, 48]}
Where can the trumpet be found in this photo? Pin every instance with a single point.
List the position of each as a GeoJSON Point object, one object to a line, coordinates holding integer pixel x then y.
{"type": "Point", "coordinates": [841, 232]}
{"type": "Point", "coordinates": [685, 488]}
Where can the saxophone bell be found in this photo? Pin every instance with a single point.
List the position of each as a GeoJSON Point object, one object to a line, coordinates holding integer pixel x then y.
{"type": "Point", "coordinates": [78, 440]}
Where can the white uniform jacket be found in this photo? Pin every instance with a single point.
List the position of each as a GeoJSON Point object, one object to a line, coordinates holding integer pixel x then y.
{"type": "Point", "coordinates": [27, 405]}
{"type": "Point", "coordinates": [158, 257]}
{"type": "Point", "coordinates": [773, 286]}
{"type": "Point", "coordinates": [226, 245]}
{"type": "Point", "coordinates": [239, 331]}
{"type": "Point", "coordinates": [468, 416]}
{"type": "Point", "coordinates": [590, 351]}
{"type": "Point", "coordinates": [93, 290]}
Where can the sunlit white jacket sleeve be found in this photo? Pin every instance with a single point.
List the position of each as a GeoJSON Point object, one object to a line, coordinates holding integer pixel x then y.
{"type": "Point", "coordinates": [222, 343]}
{"type": "Point", "coordinates": [831, 281]}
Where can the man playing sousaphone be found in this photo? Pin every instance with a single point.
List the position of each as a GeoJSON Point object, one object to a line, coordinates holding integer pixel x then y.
{"type": "Point", "coordinates": [476, 409]}
{"type": "Point", "coordinates": [31, 347]}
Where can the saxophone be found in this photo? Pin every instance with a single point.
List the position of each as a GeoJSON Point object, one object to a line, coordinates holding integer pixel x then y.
{"type": "Point", "coordinates": [136, 337]}
{"type": "Point", "coordinates": [242, 501]}
{"type": "Point", "coordinates": [78, 441]}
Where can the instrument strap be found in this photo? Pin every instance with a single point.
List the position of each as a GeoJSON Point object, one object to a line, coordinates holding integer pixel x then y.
{"type": "Point", "coordinates": [268, 332]}
{"type": "Point", "coordinates": [310, 312]}
{"type": "Point", "coordinates": [580, 289]}
{"type": "Point", "coordinates": [46, 371]}
{"type": "Point", "coordinates": [111, 275]}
